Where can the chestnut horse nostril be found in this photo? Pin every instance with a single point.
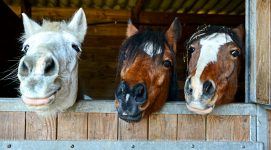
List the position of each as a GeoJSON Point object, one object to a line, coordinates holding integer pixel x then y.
{"type": "Point", "coordinates": [208, 88]}
{"type": "Point", "coordinates": [140, 93]}
{"type": "Point", "coordinates": [188, 89]}
{"type": "Point", "coordinates": [122, 90]}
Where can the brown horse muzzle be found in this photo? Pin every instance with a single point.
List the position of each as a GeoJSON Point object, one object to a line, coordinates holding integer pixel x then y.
{"type": "Point", "coordinates": [129, 101]}
{"type": "Point", "coordinates": [201, 98]}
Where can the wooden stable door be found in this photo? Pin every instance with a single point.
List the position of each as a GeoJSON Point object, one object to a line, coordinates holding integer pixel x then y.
{"type": "Point", "coordinates": [258, 52]}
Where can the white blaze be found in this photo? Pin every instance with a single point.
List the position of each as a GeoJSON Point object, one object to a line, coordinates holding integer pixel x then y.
{"type": "Point", "coordinates": [209, 49]}
{"type": "Point", "coordinates": [149, 49]}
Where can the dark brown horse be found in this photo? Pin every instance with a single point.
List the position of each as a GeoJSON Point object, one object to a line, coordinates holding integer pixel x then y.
{"type": "Point", "coordinates": [147, 71]}
{"type": "Point", "coordinates": [213, 68]}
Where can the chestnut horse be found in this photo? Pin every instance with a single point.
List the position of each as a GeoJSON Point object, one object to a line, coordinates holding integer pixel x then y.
{"type": "Point", "coordinates": [213, 67]}
{"type": "Point", "coordinates": [147, 71]}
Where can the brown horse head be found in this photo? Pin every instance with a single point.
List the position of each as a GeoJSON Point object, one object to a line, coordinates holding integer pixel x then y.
{"type": "Point", "coordinates": [147, 71]}
{"type": "Point", "coordinates": [213, 67]}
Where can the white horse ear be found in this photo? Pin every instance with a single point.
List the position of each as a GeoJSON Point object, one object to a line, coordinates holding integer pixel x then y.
{"type": "Point", "coordinates": [30, 26]}
{"type": "Point", "coordinates": [78, 24]}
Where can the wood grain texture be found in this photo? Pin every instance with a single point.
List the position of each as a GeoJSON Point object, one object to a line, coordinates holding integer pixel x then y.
{"type": "Point", "coordinates": [191, 127]}
{"type": "Point", "coordinates": [72, 126]}
{"type": "Point", "coordinates": [228, 128]}
{"type": "Point", "coordinates": [263, 47]}
{"type": "Point", "coordinates": [133, 131]}
{"type": "Point", "coordinates": [163, 127]}
{"type": "Point", "coordinates": [39, 128]}
{"type": "Point", "coordinates": [12, 126]}
{"type": "Point", "coordinates": [102, 126]}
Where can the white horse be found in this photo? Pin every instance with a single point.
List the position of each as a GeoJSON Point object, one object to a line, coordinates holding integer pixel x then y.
{"type": "Point", "coordinates": [48, 72]}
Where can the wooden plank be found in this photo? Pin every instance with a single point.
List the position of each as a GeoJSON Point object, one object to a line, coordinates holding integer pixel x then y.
{"type": "Point", "coordinates": [103, 16]}
{"type": "Point", "coordinates": [12, 126]}
{"type": "Point", "coordinates": [163, 127]}
{"type": "Point", "coordinates": [228, 128]}
{"type": "Point", "coordinates": [72, 126]}
{"type": "Point", "coordinates": [263, 57]}
{"type": "Point", "coordinates": [133, 131]}
{"type": "Point", "coordinates": [191, 127]}
{"type": "Point", "coordinates": [102, 126]}
{"type": "Point", "coordinates": [39, 128]}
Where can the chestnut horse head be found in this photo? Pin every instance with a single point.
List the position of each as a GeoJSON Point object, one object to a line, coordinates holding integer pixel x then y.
{"type": "Point", "coordinates": [213, 67]}
{"type": "Point", "coordinates": [147, 71]}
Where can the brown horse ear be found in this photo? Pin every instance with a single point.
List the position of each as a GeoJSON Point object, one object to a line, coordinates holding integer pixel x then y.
{"type": "Point", "coordinates": [131, 29]}
{"type": "Point", "coordinates": [240, 31]}
{"type": "Point", "coordinates": [174, 33]}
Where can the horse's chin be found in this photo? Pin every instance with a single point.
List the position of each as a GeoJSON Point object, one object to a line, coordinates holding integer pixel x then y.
{"type": "Point", "coordinates": [131, 119]}
{"type": "Point", "coordinates": [200, 111]}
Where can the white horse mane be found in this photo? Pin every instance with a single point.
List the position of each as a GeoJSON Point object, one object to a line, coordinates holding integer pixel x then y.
{"type": "Point", "coordinates": [48, 72]}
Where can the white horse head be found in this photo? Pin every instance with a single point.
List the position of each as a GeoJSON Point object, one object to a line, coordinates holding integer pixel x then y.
{"type": "Point", "coordinates": [48, 72]}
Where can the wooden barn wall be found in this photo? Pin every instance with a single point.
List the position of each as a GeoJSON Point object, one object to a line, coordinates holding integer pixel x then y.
{"type": "Point", "coordinates": [106, 32]}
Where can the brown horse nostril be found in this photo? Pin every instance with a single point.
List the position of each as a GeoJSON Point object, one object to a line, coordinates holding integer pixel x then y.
{"type": "Point", "coordinates": [140, 93]}
{"type": "Point", "coordinates": [208, 88]}
{"type": "Point", "coordinates": [188, 90]}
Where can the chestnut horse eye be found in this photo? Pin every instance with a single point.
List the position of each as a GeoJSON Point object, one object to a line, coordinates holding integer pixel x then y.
{"type": "Point", "coordinates": [76, 48]}
{"type": "Point", "coordinates": [235, 53]}
{"type": "Point", "coordinates": [26, 47]}
{"type": "Point", "coordinates": [191, 49]}
{"type": "Point", "coordinates": [167, 63]}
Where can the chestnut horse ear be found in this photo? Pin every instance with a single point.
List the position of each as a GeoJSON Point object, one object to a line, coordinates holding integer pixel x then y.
{"type": "Point", "coordinates": [174, 33]}
{"type": "Point", "coordinates": [240, 31]}
{"type": "Point", "coordinates": [131, 29]}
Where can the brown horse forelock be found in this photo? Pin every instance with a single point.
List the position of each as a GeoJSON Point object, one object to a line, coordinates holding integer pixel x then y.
{"type": "Point", "coordinates": [150, 71]}
{"type": "Point", "coordinates": [224, 72]}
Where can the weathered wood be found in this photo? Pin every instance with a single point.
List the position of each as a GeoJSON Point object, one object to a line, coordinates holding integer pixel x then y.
{"type": "Point", "coordinates": [97, 16]}
{"type": "Point", "coordinates": [263, 46]}
{"type": "Point", "coordinates": [12, 126]}
{"type": "Point", "coordinates": [102, 126]}
{"type": "Point", "coordinates": [39, 128]}
{"type": "Point", "coordinates": [163, 127]}
{"type": "Point", "coordinates": [228, 128]}
{"type": "Point", "coordinates": [191, 127]}
{"type": "Point", "coordinates": [135, 131]}
{"type": "Point", "coordinates": [72, 126]}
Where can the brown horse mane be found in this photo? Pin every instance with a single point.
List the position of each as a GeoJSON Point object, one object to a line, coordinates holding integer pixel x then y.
{"type": "Point", "coordinates": [134, 46]}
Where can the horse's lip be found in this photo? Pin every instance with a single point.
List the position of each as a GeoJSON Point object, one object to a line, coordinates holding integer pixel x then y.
{"type": "Point", "coordinates": [200, 111]}
{"type": "Point", "coordinates": [39, 101]}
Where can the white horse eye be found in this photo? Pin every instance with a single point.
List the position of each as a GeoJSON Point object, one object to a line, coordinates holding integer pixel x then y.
{"type": "Point", "coordinates": [76, 48]}
{"type": "Point", "coordinates": [26, 47]}
{"type": "Point", "coordinates": [235, 53]}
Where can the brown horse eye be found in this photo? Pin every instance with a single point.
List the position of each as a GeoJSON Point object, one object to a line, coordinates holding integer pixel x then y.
{"type": "Point", "coordinates": [235, 53]}
{"type": "Point", "coordinates": [76, 48]}
{"type": "Point", "coordinates": [167, 63]}
{"type": "Point", "coordinates": [191, 49]}
{"type": "Point", "coordinates": [26, 47]}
